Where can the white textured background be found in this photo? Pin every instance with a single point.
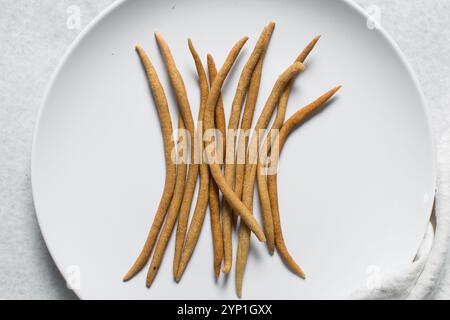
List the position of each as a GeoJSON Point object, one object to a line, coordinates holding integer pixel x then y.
{"type": "Point", "coordinates": [33, 38]}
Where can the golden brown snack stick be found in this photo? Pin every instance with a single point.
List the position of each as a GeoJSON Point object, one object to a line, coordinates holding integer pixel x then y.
{"type": "Point", "coordinates": [214, 198]}
{"type": "Point", "coordinates": [250, 171]}
{"type": "Point", "coordinates": [284, 133]}
{"type": "Point", "coordinates": [248, 117]}
{"type": "Point", "coordinates": [169, 185]}
{"type": "Point", "coordinates": [216, 172]}
{"type": "Point", "coordinates": [265, 205]}
{"type": "Point", "coordinates": [233, 124]}
{"type": "Point", "coordinates": [203, 191]}
{"type": "Point", "coordinates": [219, 116]}
{"type": "Point", "coordinates": [174, 208]}
{"type": "Point", "coordinates": [185, 110]}
{"type": "Point", "coordinates": [203, 82]}
{"type": "Point", "coordinates": [281, 114]}
{"type": "Point", "coordinates": [278, 122]}
{"type": "Point", "coordinates": [249, 110]}
{"type": "Point", "coordinates": [307, 50]}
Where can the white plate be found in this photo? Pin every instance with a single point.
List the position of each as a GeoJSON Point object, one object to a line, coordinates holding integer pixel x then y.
{"type": "Point", "coordinates": [357, 181]}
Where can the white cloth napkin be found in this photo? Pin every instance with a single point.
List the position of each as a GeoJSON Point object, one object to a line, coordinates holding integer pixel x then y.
{"type": "Point", "coordinates": [425, 277]}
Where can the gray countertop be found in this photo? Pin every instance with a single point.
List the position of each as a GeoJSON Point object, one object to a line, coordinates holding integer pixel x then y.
{"type": "Point", "coordinates": [33, 38]}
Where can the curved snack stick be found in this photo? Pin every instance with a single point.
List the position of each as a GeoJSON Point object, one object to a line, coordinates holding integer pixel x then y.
{"type": "Point", "coordinates": [281, 114]}
{"type": "Point", "coordinates": [216, 172]}
{"type": "Point", "coordinates": [214, 199]}
{"type": "Point", "coordinates": [284, 133]}
{"type": "Point", "coordinates": [249, 180]}
{"type": "Point", "coordinates": [174, 208]}
{"type": "Point", "coordinates": [185, 110]}
{"type": "Point", "coordinates": [277, 124]}
{"type": "Point", "coordinates": [169, 185]}
{"type": "Point", "coordinates": [219, 116]}
{"type": "Point", "coordinates": [249, 110]}
{"type": "Point", "coordinates": [307, 50]}
{"type": "Point", "coordinates": [233, 123]}
{"type": "Point", "coordinates": [203, 192]}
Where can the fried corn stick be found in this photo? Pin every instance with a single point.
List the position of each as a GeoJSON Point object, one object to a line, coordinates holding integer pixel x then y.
{"type": "Point", "coordinates": [261, 178]}
{"type": "Point", "coordinates": [169, 185]}
{"type": "Point", "coordinates": [185, 109]}
{"type": "Point", "coordinates": [281, 114]}
{"type": "Point", "coordinates": [174, 208]}
{"type": "Point", "coordinates": [214, 198]}
{"type": "Point", "coordinates": [203, 192]}
{"type": "Point", "coordinates": [230, 196]}
{"type": "Point", "coordinates": [249, 179]}
{"type": "Point", "coordinates": [284, 133]}
{"type": "Point", "coordinates": [233, 124]}
{"type": "Point", "coordinates": [249, 110]}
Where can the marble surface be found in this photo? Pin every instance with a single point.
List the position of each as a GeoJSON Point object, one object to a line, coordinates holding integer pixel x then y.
{"type": "Point", "coordinates": [34, 36]}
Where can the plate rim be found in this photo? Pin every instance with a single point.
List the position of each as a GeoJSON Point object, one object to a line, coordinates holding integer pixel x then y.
{"type": "Point", "coordinates": [115, 6]}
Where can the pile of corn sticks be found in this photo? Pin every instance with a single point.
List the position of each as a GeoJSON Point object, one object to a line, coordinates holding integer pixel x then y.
{"type": "Point", "coordinates": [228, 189]}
